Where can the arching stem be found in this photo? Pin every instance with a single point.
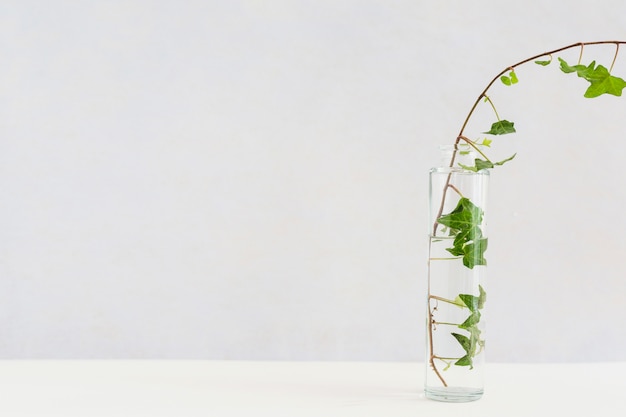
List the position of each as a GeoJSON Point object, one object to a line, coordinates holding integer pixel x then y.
{"type": "Point", "coordinates": [532, 58]}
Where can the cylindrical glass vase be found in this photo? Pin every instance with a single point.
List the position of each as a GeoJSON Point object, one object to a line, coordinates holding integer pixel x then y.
{"type": "Point", "coordinates": [455, 332]}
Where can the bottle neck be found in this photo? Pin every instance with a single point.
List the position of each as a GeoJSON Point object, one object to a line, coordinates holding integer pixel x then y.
{"type": "Point", "coordinates": [453, 156]}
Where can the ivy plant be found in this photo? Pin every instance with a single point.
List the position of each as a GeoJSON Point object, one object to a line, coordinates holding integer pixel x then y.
{"type": "Point", "coordinates": [463, 223]}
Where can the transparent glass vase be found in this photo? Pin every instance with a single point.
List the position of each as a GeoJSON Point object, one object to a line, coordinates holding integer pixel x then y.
{"type": "Point", "coordinates": [455, 327]}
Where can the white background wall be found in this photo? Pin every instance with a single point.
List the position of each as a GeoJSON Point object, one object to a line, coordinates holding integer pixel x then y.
{"type": "Point", "coordinates": [248, 179]}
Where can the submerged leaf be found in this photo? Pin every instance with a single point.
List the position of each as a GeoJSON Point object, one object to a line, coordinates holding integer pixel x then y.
{"type": "Point", "coordinates": [465, 216]}
{"type": "Point", "coordinates": [458, 302]}
{"type": "Point", "coordinates": [471, 321]}
{"type": "Point", "coordinates": [456, 251]}
{"type": "Point", "coordinates": [470, 301]}
{"type": "Point", "coordinates": [473, 344]}
{"type": "Point", "coordinates": [467, 234]}
{"type": "Point", "coordinates": [464, 223]}
{"type": "Point", "coordinates": [464, 341]}
{"type": "Point", "coordinates": [474, 302]}
{"type": "Point", "coordinates": [465, 361]}
{"type": "Point", "coordinates": [474, 253]}
{"type": "Point", "coordinates": [482, 297]}
{"type": "Point", "coordinates": [469, 346]}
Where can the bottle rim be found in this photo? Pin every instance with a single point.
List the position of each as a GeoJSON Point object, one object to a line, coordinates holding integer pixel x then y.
{"type": "Point", "coordinates": [463, 147]}
{"type": "Point", "coordinates": [463, 151]}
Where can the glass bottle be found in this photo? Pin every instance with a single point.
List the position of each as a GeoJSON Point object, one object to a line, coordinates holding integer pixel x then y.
{"type": "Point", "coordinates": [455, 325]}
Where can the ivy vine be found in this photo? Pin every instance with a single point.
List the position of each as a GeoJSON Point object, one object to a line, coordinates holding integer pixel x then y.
{"type": "Point", "coordinates": [464, 221]}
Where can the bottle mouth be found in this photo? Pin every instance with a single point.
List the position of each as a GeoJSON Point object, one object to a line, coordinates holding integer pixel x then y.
{"type": "Point", "coordinates": [458, 157]}
{"type": "Point", "coordinates": [460, 151]}
{"type": "Point", "coordinates": [459, 147]}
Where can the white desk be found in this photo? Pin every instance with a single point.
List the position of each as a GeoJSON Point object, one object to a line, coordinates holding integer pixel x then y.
{"type": "Point", "coordinates": [296, 389]}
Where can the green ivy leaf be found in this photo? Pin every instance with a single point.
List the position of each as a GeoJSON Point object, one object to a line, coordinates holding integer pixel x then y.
{"type": "Point", "coordinates": [475, 339]}
{"type": "Point", "coordinates": [478, 165]}
{"type": "Point", "coordinates": [601, 81]}
{"type": "Point", "coordinates": [482, 164]}
{"type": "Point", "coordinates": [463, 223]}
{"type": "Point", "coordinates": [471, 321]}
{"type": "Point", "coordinates": [607, 85]}
{"type": "Point", "coordinates": [470, 344]}
{"type": "Point", "coordinates": [464, 341]}
{"type": "Point", "coordinates": [579, 69]}
{"type": "Point", "coordinates": [474, 302]}
{"type": "Point", "coordinates": [501, 127]}
{"type": "Point", "coordinates": [504, 161]}
{"type": "Point", "coordinates": [465, 361]}
{"type": "Point", "coordinates": [509, 79]}
{"type": "Point", "coordinates": [470, 301]}
{"type": "Point", "coordinates": [459, 302]}
{"type": "Point", "coordinates": [543, 63]}
{"type": "Point", "coordinates": [482, 297]}
{"type": "Point", "coordinates": [474, 253]}
{"type": "Point", "coordinates": [465, 216]}
{"type": "Point", "coordinates": [467, 234]}
{"type": "Point", "coordinates": [456, 250]}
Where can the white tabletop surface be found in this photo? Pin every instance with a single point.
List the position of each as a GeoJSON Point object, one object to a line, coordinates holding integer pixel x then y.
{"type": "Point", "coordinates": [296, 389]}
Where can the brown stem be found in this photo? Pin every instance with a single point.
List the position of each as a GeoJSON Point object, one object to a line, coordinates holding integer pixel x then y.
{"type": "Point", "coordinates": [431, 359]}
{"type": "Point", "coordinates": [455, 189]}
